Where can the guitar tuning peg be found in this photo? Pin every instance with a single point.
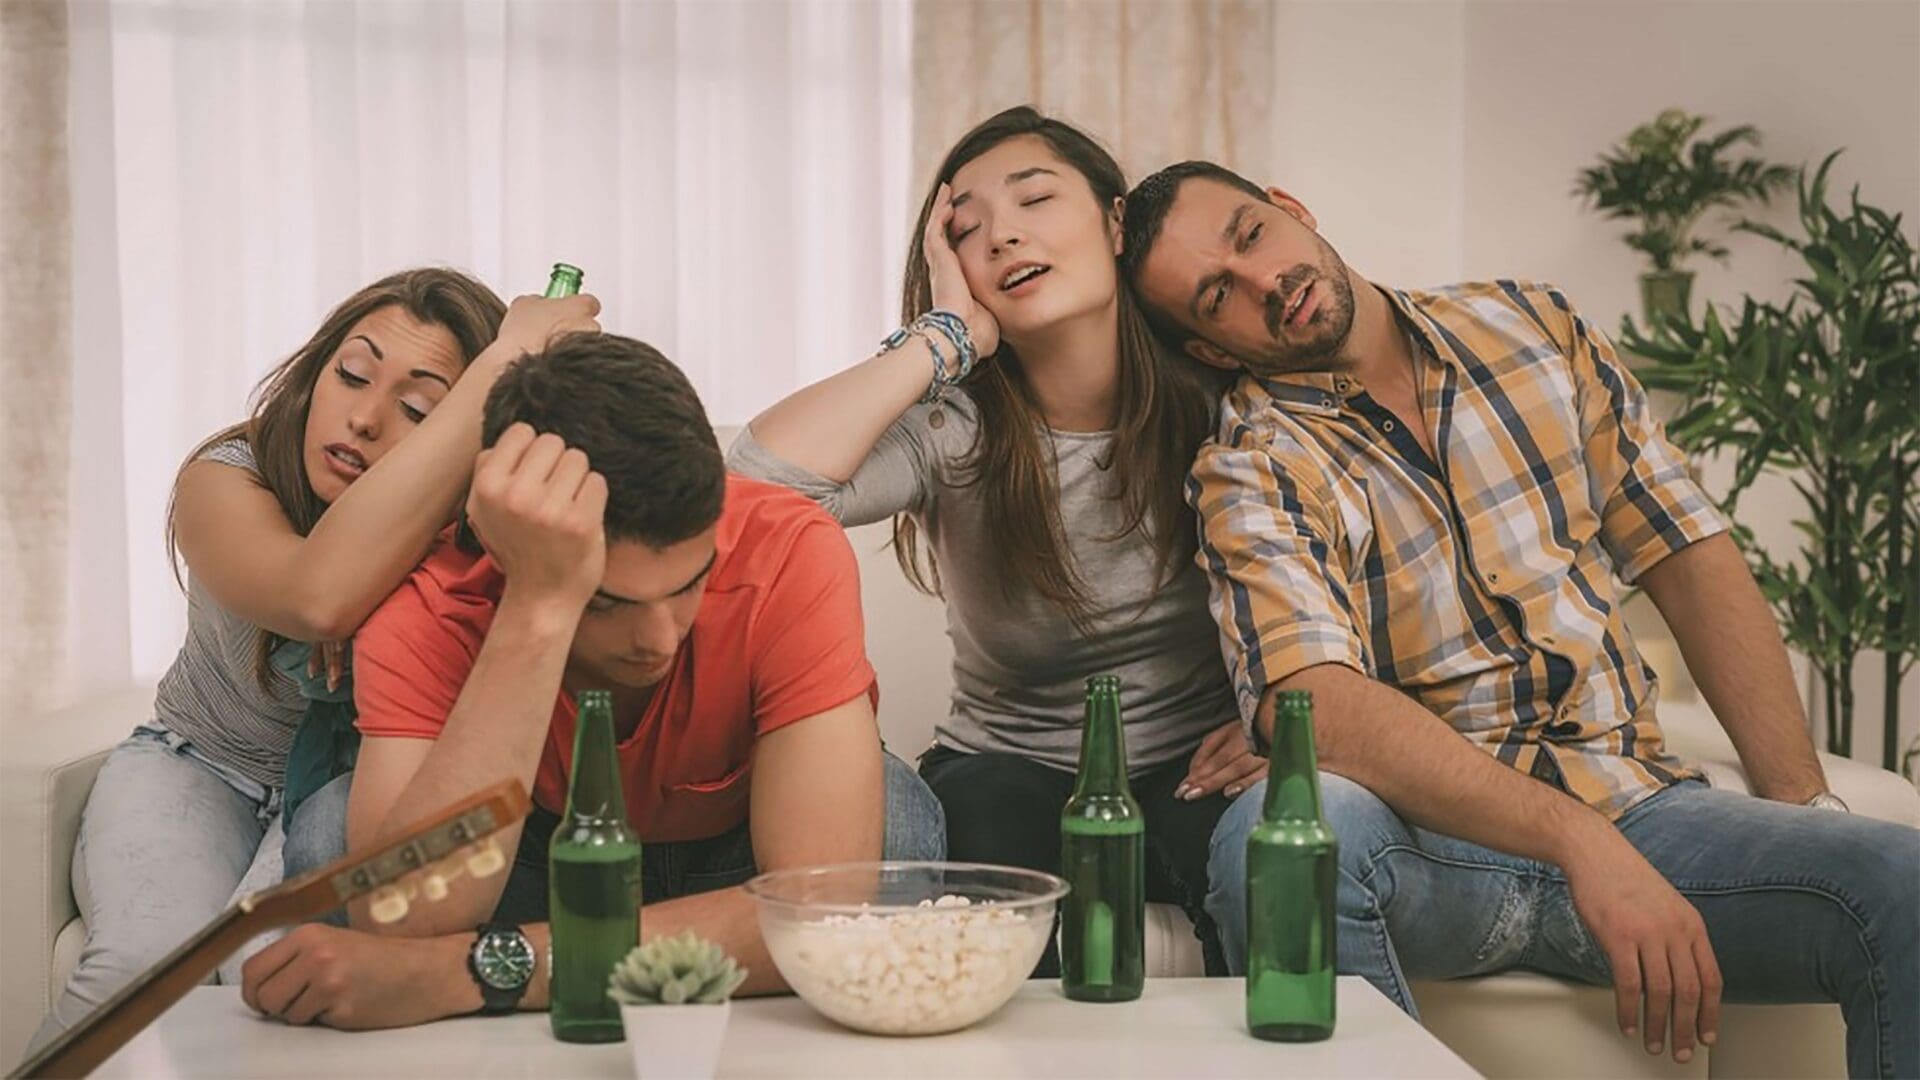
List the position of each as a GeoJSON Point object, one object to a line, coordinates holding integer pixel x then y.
{"type": "Point", "coordinates": [389, 905]}
{"type": "Point", "coordinates": [485, 859]}
{"type": "Point", "coordinates": [434, 887]}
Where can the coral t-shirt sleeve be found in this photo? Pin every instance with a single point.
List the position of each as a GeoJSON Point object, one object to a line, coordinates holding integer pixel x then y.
{"type": "Point", "coordinates": [809, 638]}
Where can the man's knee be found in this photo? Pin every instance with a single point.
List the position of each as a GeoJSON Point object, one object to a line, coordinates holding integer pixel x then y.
{"type": "Point", "coordinates": [916, 824]}
{"type": "Point", "coordinates": [1227, 850]}
{"type": "Point", "coordinates": [1364, 825]}
{"type": "Point", "coordinates": [1875, 861]}
{"type": "Point", "coordinates": [317, 832]}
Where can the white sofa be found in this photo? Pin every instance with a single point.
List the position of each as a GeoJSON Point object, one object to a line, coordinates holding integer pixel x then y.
{"type": "Point", "coordinates": [1495, 1023]}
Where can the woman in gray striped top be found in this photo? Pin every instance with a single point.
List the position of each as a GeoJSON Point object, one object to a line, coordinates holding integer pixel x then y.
{"type": "Point", "coordinates": [294, 525]}
{"type": "Point", "coordinates": [1046, 487]}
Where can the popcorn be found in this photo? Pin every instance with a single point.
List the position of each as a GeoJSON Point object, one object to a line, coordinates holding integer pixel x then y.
{"type": "Point", "coordinates": [943, 965]}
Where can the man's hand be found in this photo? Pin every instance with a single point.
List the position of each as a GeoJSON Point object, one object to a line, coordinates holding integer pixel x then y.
{"type": "Point", "coordinates": [1656, 942]}
{"type": "Point", "coordinates": [538, 509]}
{"type": "Point", "coordinates": [347, 979]}
{"type": "Point", "coordinates": [1224, 760]}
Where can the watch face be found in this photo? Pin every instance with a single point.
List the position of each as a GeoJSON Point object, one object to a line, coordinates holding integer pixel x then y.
{"type": "Point", "coordinates": [504, 960]}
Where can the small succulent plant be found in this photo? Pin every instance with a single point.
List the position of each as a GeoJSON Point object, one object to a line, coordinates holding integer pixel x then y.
{"type": "Point", "coordinates": [680, 970]}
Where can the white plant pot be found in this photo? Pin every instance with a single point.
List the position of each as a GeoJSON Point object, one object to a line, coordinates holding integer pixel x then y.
{"type": "Point", "coordinates": [675, 1042]}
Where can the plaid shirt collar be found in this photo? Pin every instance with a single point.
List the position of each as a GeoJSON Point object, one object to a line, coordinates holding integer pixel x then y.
{"type": "Point", "coordinates": [1322, 393]}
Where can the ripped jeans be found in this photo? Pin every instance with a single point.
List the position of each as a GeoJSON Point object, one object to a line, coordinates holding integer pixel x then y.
{"type": "Point", "coordinates": [1800, 904]}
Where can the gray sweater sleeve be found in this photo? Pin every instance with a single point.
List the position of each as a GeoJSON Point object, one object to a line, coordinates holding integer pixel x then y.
{"type": "Point", "coordinates": [897, 477]}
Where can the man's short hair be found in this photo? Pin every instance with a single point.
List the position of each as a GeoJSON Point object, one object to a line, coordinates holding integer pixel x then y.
{"type": "Point", "coordinates": [637, 419]}
{"type": "Point", "coordinates": [1146, 213]}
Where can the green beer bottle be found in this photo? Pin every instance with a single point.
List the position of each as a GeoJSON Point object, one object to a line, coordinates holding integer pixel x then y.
{"type": "Point", "coordinates": [1293, 863]}
{"type": "Point", "coordinates": [1103, 856]}
{"type": "Point", "coordinates": [593, 883]}
{"type": "Point", "coordinates": [565, 280]}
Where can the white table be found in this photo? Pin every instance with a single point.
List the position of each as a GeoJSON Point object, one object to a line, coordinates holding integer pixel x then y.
{"type": "Point", "coordinates": [1180, 1027]}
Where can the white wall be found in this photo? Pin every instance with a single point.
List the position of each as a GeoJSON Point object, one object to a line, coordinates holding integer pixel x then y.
{"type": "Point", "coordinates": [1439, 141]}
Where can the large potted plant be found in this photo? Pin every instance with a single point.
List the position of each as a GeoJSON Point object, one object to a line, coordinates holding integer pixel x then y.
{"type": "Point", "coordinates": [1825, 389]}
{"type": "Point", "coordinates": [1663, 177]}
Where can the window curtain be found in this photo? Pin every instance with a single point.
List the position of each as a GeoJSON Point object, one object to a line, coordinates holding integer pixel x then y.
{"type": "Point", "coordinates": [729, 175]}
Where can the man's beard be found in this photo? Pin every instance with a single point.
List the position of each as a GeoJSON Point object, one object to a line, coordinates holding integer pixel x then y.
{"type": "Point", "coordinates": [1332, 322]}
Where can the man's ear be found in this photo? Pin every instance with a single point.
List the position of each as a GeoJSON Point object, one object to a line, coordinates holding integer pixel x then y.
{"type": "Point", "coordinates": [1116, 226]}
{"type": "Point", "coordinates": [1210, 354]}
{"type": "Point", "coordinates": [1294, 207]}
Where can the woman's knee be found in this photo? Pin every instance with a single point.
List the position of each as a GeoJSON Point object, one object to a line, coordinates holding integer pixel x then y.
{"type": "Point", "coordinates": [1001, 808]}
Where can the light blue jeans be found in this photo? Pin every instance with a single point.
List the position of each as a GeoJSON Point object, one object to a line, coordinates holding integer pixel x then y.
{"type": "Point", "coordinates": [166, 841]}
{"type": "Point", "coordinates": [1800, 904]}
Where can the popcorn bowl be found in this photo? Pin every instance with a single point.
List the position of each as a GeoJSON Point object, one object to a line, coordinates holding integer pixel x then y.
{"type": "Point", "coordinates": [906, 948]}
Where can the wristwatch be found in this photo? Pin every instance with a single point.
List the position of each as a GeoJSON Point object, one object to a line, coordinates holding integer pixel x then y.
{"type": "Point", "coordinates": [501, 962]}
{"type": "Point", "coordinates": [1827, 800]}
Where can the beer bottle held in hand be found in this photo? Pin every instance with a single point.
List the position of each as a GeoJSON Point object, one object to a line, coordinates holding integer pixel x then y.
{"type": "Point", "coordinates": [1103, 856]}
{"type": "Point", "coordinates": [593, 883]}
{"type": "Point", "coordinates": [565, 280]}
{"type": "Point", "coordinates": [1293, 866]}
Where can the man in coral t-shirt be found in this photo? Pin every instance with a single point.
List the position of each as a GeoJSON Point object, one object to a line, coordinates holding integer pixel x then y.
{"type": "Point", "coordinates": [613, 552]}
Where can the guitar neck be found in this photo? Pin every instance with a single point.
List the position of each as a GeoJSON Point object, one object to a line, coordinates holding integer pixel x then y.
{"type": "Point", "coordinates": [83, 1047]}
{"type": "Point", "coordinates": [423, 846]}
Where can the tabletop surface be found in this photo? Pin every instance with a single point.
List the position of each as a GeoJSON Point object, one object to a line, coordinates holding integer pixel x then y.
{"type": "Point", "coordinates": [1179, 1027]}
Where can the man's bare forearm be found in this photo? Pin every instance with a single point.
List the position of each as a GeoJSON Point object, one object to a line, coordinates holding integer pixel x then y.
{"type": "Point", "coordinates": [725, 917]}
{"type": "Point", "coordinates": [1431, 776]}
{"type": "Point", "coordinates": [497, 731]}
{"type": "Point", "coordinates": [438, 965]}
{"type": "Point", "coordinates": [1732, 646]}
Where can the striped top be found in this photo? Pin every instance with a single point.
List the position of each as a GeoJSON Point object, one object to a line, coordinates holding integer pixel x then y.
{"type": "Point", "coordinates": [1480, 584]}
{"type": "Point", "coordinates": [210, 696]}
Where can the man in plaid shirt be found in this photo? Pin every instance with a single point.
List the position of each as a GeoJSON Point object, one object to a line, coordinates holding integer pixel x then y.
{"type": "Point", "coordinates": [1415, 507]}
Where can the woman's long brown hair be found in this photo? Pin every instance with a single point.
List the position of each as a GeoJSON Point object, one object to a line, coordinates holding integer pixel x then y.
{"type": "Point", "coordinates": [1163, 410]}
{"type": "Point", "coordinates": [277, 427]}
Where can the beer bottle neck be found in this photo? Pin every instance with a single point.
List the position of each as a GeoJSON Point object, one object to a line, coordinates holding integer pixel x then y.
{"type": "Point", "coordinates": [1103, 751]}
{"type": "Point", "coordinates": [1293, 772]}
{"type": "Point", "coordinates": [593, 790]}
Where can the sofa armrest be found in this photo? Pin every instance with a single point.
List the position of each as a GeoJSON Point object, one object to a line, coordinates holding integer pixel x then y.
{"type": "Point", "coordinates": [1694, 734]}
{"type": "Point", "coordinates": [46, 773]}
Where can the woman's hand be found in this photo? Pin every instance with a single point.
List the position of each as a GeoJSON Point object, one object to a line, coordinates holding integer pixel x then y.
{"type": "Point", "coordinates": [534, 321]}
{"type": "Point", "coordinates": [949, 284]}
{"type": "Point", "coordinates": [1223, 761]}
{"type": "Point", "coordinates": [330, 657]}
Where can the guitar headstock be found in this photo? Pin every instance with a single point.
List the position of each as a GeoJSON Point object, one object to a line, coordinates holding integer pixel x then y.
{"type": "Point", "coordinates": [419, 862]}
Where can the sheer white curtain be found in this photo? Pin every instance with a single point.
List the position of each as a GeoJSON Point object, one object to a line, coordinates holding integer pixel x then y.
{"type": "Point", "coordinates": [730, 173]}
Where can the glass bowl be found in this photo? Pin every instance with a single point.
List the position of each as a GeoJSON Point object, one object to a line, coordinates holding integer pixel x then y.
{"type": "Point", "coordinates": [906, 948]}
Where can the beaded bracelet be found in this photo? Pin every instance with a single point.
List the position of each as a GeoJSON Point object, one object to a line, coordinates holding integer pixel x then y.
{"type": "Point", "coordinates": [955, 329]}
{"type": "Point", "coordinates": [947, 325]}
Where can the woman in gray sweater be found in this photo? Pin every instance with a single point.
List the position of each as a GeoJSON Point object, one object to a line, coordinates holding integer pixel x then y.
{"type": "Point", "coordinates": [1039, 492]}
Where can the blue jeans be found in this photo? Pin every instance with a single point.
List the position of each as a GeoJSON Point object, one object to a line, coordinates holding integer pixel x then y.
{"type": "Point", "coordinates": [1800, 904]}
{"type": "Point", "coordinates": [166, 841]}
{"type": "Point", "coordinates": [916, 828]}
